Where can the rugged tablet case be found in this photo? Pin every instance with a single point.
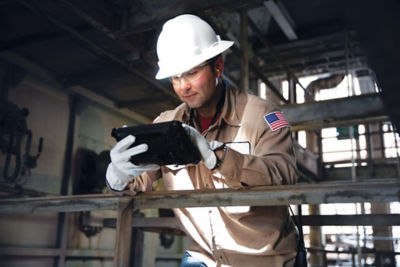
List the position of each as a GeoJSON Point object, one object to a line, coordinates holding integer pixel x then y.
{"type": "Point", "coordinates": [168, 143]}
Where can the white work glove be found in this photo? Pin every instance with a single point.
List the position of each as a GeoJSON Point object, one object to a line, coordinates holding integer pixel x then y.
{"type": "Point", "coordinates": [205, 148]}
{"type": "Point", "coordinates": [121, 171]}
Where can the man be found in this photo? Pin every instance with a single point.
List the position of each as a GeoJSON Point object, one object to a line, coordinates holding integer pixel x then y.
{"type": "Point", "coordinates": [243, 140]}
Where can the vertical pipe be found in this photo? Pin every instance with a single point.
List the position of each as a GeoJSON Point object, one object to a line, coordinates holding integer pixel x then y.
{"type": "Point", "coordinates": [3, 83]}
{"type": "Point", "coordinates": [384, 247]}
{"type": "Point", "coordinates": [381, 140]}
{"type": "Point", "coordinates": [364, 228]}
{"type": "Point", "coordinates": [346, 54]}
{"type": "Point", "coordinates": [61, 241]}
{"type": "Point", "coordinates": [359, 253]}
{"type": "Point", "coordinates": [369, 148]}
{"type": "Point", "coordinates": [396, 146]}
{"type": "Point", "coordinates": [292, 89]}
{"type": "Point", "coordinates": [316, 239]}
{"type": "Point", "coordinates": [292, 98]}
{"type": "Point", "coordinates": [353, 161]}
{"type": "Point", "coordinates": [244, 46]}
{"type": "Point", "coordinates": [350, 92]}
{"type": "Point", "coordinates": [69, 146]}
{"type": "Point", "coordinates": [358, 150]}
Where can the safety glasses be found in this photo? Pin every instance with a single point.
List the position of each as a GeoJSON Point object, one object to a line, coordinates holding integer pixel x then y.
{"type": "Point", "coordinates": [189, 76]}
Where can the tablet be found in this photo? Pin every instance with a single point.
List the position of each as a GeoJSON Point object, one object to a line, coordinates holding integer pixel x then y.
{"type": "Point", "coordinates": [168, 143]}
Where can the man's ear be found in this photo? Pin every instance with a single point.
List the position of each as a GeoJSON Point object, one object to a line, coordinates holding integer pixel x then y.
{"type": "Point", "coordinates": [219, 66]}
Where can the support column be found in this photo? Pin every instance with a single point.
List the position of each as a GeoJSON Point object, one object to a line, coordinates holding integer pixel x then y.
{"type": "Point", "coordinates": [316, 259]}
{"type": "Point", "coordinates": [244, 46]}
{"type": "Point", "coordinates": [123, 239]}
{"type": "Point", "coordinates": [137, 248]}
{"type": "Point", "coordinates": [313, 141]}
{"type": "Point", "coordinates": [384, 248]}
{"type": "Point", "coordinates": [292, 89]}
{"type": "Point", "coordinates": [313, 137]}
{"type": "Point", "coordinates": [376, 141]}
{"type": "Point", "coordinates": [292, 98]}
{"type": "Point", "coordinates": [63, 221]}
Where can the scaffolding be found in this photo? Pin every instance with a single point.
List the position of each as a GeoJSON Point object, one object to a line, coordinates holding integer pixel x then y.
{"type": "Point", "coordinates": [374, 190]}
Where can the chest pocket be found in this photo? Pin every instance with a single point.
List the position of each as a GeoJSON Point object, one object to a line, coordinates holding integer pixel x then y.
{"type": "Point", "coordinates": [241, 147]}
{"type": "Point", "coordinates": [174, 167]}
{"type": "Point", "coordinates": [176, 177]}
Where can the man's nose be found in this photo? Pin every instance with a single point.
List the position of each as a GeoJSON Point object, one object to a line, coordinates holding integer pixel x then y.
{"type": "Point", "coordinates": [184, 84]}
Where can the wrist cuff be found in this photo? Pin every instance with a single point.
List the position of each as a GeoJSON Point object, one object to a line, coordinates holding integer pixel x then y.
{"type": "Point", "coordinates": [220, 160]}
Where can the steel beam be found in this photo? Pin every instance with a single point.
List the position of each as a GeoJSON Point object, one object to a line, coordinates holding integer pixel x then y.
{"type": "Point", "coordinates": [149, 224]}
{"type": "Point", "coordinates": [380, 190]}
{"type": "Point", "coordinates": [139, 23]}
{"type": "Point", "coordinates": [254, 67]}
{"type": "Point", "coordinates": [331, 113]}
{"type": "Point", "coordinates": [154, 222]}
{"type": "Point", "coordinates": [93, 47]}
{"type": "Point", "coordinates": [91, 254]}
{"type": "Point", "coordinates": [383, 169]}
{"type": "Point", "coordinates": [352, 220]}
{"type": "Point", "coordinates": [281, 19]}
{"type": "Point", "coordinates": [347, 192]}
{"type": "Point", "coordinates": [60, 203]}
{"type": "Point", "coordinates": [309, 220]}
{"type": "Point", "coordinates": [108, 32]}
{"type": "Point", "coordinates": [280, 62]}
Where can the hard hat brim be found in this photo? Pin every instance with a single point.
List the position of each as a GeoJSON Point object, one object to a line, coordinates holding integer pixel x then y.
{"type": "Point", "coordinates": [211, 52]}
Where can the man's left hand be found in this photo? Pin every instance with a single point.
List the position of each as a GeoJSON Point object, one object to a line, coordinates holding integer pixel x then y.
{"type": "Point", "coordinates": [205, 148]}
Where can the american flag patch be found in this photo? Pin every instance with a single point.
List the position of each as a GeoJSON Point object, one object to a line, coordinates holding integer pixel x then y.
{"type": "Point", "coordinates": [276, 120]}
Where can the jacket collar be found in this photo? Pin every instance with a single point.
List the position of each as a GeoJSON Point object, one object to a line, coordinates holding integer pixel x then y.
{"type": "Point", "coordinates": [228, 112]}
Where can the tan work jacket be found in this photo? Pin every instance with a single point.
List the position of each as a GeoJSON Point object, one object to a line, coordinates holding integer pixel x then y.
{"type": "Point", "coordinates": [256, 155]}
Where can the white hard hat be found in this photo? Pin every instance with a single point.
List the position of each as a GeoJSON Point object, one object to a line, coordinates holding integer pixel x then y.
{"type": "Point", "coordinates": [184, 42]}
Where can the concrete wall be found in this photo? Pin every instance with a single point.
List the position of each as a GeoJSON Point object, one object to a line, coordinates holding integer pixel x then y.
{"type": "Point", "coordinates": [49, 107]}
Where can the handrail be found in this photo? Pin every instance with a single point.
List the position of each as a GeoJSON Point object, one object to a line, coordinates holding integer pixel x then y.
{"type": "Point", "coordinates": [374, 190]}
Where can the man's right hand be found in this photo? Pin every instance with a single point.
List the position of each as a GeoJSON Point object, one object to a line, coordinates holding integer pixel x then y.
{"type": "Point", "coordinates": [121, 171]}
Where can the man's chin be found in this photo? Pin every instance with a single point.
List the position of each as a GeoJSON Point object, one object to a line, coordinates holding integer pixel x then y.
{"type": "Point", "coordinates": [192, 104]}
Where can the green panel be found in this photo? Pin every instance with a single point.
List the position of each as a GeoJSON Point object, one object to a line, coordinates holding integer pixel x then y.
{"type": "Point", "coordinates": [345, 132]}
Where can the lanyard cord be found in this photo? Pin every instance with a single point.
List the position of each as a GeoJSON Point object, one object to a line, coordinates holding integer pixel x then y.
{"type": "Point", "coordinates": [299, 224]}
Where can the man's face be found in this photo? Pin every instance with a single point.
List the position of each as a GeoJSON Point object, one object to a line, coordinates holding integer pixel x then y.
{"type": "Point", "coordinates": [197, 87]}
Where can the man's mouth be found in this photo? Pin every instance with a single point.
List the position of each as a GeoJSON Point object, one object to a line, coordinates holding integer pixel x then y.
{"type": "Point", "coordinates": [189, 96]}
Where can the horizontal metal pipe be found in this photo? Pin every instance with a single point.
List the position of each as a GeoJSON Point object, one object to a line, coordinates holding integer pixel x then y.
{"type": "Point", "coordinates": [307, 220]}
{"type": "Point", "coordinates": [378, 190]}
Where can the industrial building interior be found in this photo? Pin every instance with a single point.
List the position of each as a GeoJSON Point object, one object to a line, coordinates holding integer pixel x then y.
{"type": "Point", "coordinates": [71, 71]}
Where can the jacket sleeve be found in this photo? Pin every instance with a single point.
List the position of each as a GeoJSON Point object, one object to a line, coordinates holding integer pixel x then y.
{"type": "Point", "coordinates": [142, 183]}
{"type": "Point", "coordinates": [271, 162]}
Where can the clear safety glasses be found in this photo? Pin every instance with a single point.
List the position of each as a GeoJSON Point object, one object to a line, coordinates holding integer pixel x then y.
{"type": "Point", "coordinates": [189, 76]}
